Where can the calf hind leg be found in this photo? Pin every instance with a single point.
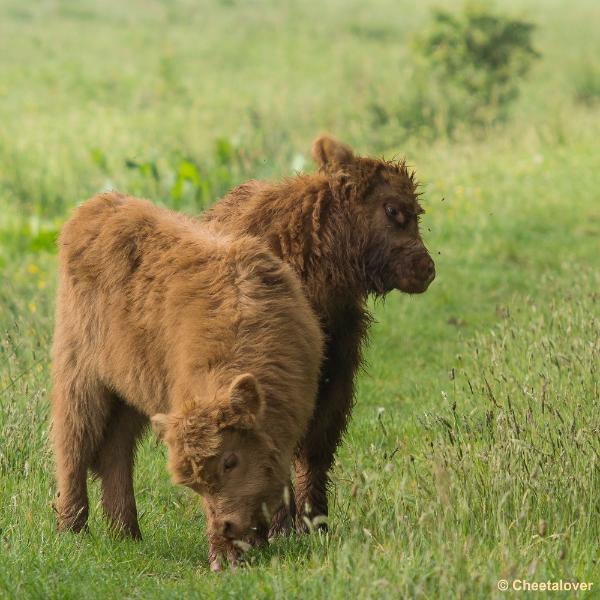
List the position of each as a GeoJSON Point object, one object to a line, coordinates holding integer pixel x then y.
{"type": "Point", "coordinates": [79, 413]}
{"type": "Point", "coordinates": [114, 465]}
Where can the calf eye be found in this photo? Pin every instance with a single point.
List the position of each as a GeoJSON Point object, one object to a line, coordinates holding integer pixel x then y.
{"type": "Point", "coordinates": [391, 211]}
{"type": "Point", "coordinates": [395, 214]}
{"type": "Point", "coordinates": [230, 462]}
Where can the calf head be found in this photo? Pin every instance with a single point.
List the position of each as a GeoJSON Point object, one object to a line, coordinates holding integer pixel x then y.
{"type": "Point", "coordinates": [381, 201]}
{"type": "Point", "coordinates": [221, 451]}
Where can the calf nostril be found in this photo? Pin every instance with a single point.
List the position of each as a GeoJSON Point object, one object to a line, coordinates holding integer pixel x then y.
{"type": "Point", "coordinates": [228, 529]}
{"type": "Point", "coordinates": [426, 265]}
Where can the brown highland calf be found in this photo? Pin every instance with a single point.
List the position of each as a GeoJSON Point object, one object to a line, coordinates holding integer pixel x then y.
{"type": "Point", "coordinates": [210, 336]}
{"type": "Point", "coordinates": [348, 231]}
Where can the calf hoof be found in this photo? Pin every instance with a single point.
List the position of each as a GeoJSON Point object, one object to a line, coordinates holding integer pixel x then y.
{"type": "Point", "coordinates": [72, 522]}
{"type": "Point", "coordinates": [305, 524]}
{"type": "Point", "coordinates": [134, 533]}
{"type": "Point", "coordinates": [282, 523]}
{"type": "Point", "coordinates": [122, 530]}
{"type": "Point", "coordinates": [280, 530]}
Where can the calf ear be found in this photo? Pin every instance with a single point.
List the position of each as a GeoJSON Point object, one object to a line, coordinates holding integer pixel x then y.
{"type": "Point", "coordinates": [160, 424]}
{"type": "Point", "coordinates": [330, 154]}
{"type": "Point", "coordinates": [246, 398]}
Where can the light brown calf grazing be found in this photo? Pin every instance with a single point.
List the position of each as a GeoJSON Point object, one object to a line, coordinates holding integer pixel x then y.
{"type": "Point", "coordinates": [210, 336]}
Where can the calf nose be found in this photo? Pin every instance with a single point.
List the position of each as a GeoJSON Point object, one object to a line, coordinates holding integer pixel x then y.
{"type": "Point", "coordinates": [426, 267]}
{"type": "Point", "coordinates": [431, 270]}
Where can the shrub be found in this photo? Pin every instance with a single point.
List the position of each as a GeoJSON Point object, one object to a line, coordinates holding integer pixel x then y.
{"type": "Point", "coordinates": [468, 69]}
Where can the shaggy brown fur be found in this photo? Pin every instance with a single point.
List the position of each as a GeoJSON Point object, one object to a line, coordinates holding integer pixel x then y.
{"type": "Point", "coordinates": [349, 230]}
{"type": "Point", "coordinates": [156, 316]}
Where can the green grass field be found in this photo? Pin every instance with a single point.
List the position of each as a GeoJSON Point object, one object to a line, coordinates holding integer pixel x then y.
{"type": "Point", "coordinates": [474, 451]}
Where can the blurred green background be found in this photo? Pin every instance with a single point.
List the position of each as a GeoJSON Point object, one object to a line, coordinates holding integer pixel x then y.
{"type": "Point", "coordinates": [474, 452]}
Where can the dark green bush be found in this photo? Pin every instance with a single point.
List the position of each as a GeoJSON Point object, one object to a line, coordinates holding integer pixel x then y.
{"type": "Point", "coordinates": [468, 69]}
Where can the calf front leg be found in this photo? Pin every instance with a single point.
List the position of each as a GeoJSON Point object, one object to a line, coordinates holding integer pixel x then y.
{"type": "Point", "coordinates": [284, 518]}
{"type": "Point", "coordinates": [316, 453]}
{"type": "Point", "coordinates": [345, 334]}
{"type": "Point", "coordinates": [114, 465]}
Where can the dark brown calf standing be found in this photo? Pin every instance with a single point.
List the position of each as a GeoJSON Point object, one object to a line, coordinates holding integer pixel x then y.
{"type": "Point", "coordinates": [348, 231]}
{"type": "Point", "coordinates": [209, 335]}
